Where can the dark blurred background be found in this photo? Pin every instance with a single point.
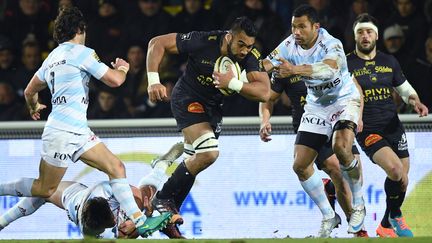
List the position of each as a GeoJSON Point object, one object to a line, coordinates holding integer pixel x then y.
{"type": "Point", "coordinates": [123, 28]}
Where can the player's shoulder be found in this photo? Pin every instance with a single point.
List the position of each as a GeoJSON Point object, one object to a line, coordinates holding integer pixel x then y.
{"type": "Point", "coordinates": [327, 42]}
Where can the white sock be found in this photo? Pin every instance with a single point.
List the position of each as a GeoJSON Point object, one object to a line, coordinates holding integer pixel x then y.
{"type": "Point", "coordinates": [156, 178]}
{"type": "Point", "coordinates": [21, 187]}
{"type": "Point", "coordinates": [352, 174]}
{"type": "Point", "coordinates": [123, 193]}
{"type": "Point", "coordinates": [314, 187]}
{"type": "Point", "coordinates": [24, 207]}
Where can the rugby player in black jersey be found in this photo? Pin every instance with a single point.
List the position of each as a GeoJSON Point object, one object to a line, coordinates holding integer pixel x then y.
{"type": "Point", "coordinates": [326, 159]}
{"type": "Point", "coordinates": [383, 137]}
{"type": "Point", "coordinates": [196, 101]}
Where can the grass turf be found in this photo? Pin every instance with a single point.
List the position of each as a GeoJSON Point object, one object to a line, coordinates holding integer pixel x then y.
{"type": "Point", "coordinates": [307, 240]}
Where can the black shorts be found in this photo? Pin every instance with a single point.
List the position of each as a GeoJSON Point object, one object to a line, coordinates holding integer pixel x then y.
{"type": "Point", "coordinates": [326, 151]}
{"type": "Point", "coordinates": [392, 136]}
{"type": "Point", "coordinates": [189, 109]}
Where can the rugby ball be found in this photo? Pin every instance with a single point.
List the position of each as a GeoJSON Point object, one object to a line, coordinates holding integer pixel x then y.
{"type": "Point", "coordinates": [222, 65]}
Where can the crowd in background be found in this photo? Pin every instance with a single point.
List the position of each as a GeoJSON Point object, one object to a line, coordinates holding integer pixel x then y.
{"type": "Point", "coordinates": [123, 28]}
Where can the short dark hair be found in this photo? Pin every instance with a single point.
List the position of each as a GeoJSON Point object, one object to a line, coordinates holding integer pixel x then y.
{"type": "Point", "coordinates": [309, 11]}
{"type": "Point", "coordinates": [365, 18]}
{"type": "Point", "coordinates": [244, 24]}
{"type": "Point", "coordinates": [68, 23]}
{"type": "Point", "coordinates": [96, 215]}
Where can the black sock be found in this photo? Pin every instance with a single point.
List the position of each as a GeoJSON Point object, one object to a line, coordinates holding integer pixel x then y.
{"type": "Point", "coordinates": [331, 193]}
{"type": "Point", "coordinates": [385, 221]}
{"type": "Point", "coordinates": [401, 198]}
{"type": "Point", "coordinates": [393, 191]}
{"type": "Point", "coordinates": [178, 185]}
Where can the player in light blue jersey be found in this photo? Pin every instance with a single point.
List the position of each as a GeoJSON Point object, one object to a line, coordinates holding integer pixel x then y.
{"type": "Point", "coordinates": [95, 210]}
{"type": "Point", "coordinates": [332, 110]}
{"type": "Point", "coordinates": [66, 137]}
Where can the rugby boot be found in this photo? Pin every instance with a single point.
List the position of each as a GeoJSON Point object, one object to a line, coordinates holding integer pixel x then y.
{"type": "Point", "coordinates": [169, 157]}
{"type": "Point", "coordinates": [167, 205]}
{"type": "Point", "coordinates": [327, 226]}
{"type": "Point", "coordinates": [172, 231]}
{"type": "Point", "coordinates": [152, 224]}
{"type": "Point", "coordinates": [383, 232]}
{"type": "Point", "coordinates": [400, 226]}
{"type": "Point", "coordinates": [356, 221]}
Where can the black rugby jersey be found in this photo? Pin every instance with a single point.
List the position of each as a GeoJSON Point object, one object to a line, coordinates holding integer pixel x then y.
{"type": "Point", "coordinates": [296, 91]}
{"type": "Point", "coordinates": [203, 48]}
{"type": "Point", "coordinates": [377, 77]}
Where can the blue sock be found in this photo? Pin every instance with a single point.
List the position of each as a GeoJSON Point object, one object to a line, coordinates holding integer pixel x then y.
{"type": "Point", "coordinates": [21, 187]}
{"type": "Point", "coordinates": [123, 193]}
{"type": "Point", "coordinates": [314, 187]}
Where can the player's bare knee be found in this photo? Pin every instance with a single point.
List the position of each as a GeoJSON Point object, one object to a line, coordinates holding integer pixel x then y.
{"type": "Point", "coordinates": [116, 169]}
{"type": "Point", "coordinates": [343, 153]}
{"type": "Point", "coordinates": [299, 169]}
{"type": "Point", "coordinates": [395, 172]}
{"type": "Point", "coordinates": [208, 158]}
{"type": "Point", "coordinates": [44, 191]}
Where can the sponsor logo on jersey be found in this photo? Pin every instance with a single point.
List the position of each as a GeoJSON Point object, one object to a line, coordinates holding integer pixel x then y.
{"type": "Point", "coordinates": [59, 100]}
{"type": "Point", "coordinates": [208, 62]}
{"type": "Point", "coordinates": [295, 79]}
{"type": "Point", "coordinates": [336, 115]}
{"type": "Point", "coordinates": [186, 36]}
{"type": "Point", "coordinates": [328, 85]}
{"type": "Point", "coordinates": [96, 57]}
{"type": "Point", "coordinates": [313, 120]}
{"type": "Point", "coordinates": [369, 63]}
{"type": "Point", "coordinates": [61, 156]}
{"type": "Point", "coordinates": [195, 107]}
{"type": "Point", "coordinates": [273, 54]}
{"type": "Point", "coordinates": [57, 63]}
{"type": "Point", "coordinates": [376, 94]}
{"type": "Point", "coordinates": [402, 144]}
{"type": "Point", "coordinates": [372, 139]}
{"type": "Point", "coordinates": [324, 47]}
{"type": "Point", "coordinates": [212, 37]}
{"type": "Point", "coordinates": [256, 53]}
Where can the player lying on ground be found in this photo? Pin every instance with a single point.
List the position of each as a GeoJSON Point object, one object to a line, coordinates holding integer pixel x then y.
{"type": "Point", "coordinates": [95, 209]}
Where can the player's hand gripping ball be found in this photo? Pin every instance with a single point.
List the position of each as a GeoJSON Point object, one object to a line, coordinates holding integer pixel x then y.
{"type": "Point", "coordinates": [222, 65]}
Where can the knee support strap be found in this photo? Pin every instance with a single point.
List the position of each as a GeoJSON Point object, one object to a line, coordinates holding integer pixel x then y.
{"type": "Point", "coordinates": [345, 124]}
{"type": "Point", "coordinates": [207, 142]}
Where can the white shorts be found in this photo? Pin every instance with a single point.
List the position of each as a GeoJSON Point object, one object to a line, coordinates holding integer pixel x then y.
{"type": "Point", "coordinates": [61, 147]}
{"type": "Point", "coordinates": [72, 198]}
{"type": "Point", "coordinates": [321, 120]}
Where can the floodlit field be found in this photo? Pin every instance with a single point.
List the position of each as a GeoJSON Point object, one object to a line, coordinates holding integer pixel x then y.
{"type": "Point", "coordinates": [307, 240]}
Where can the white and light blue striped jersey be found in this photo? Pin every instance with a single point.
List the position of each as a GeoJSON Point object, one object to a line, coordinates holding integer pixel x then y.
{"type": "Point", "coordinates": [67, 71]}
{"type": "Point", "coordinates": [319, 92]}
